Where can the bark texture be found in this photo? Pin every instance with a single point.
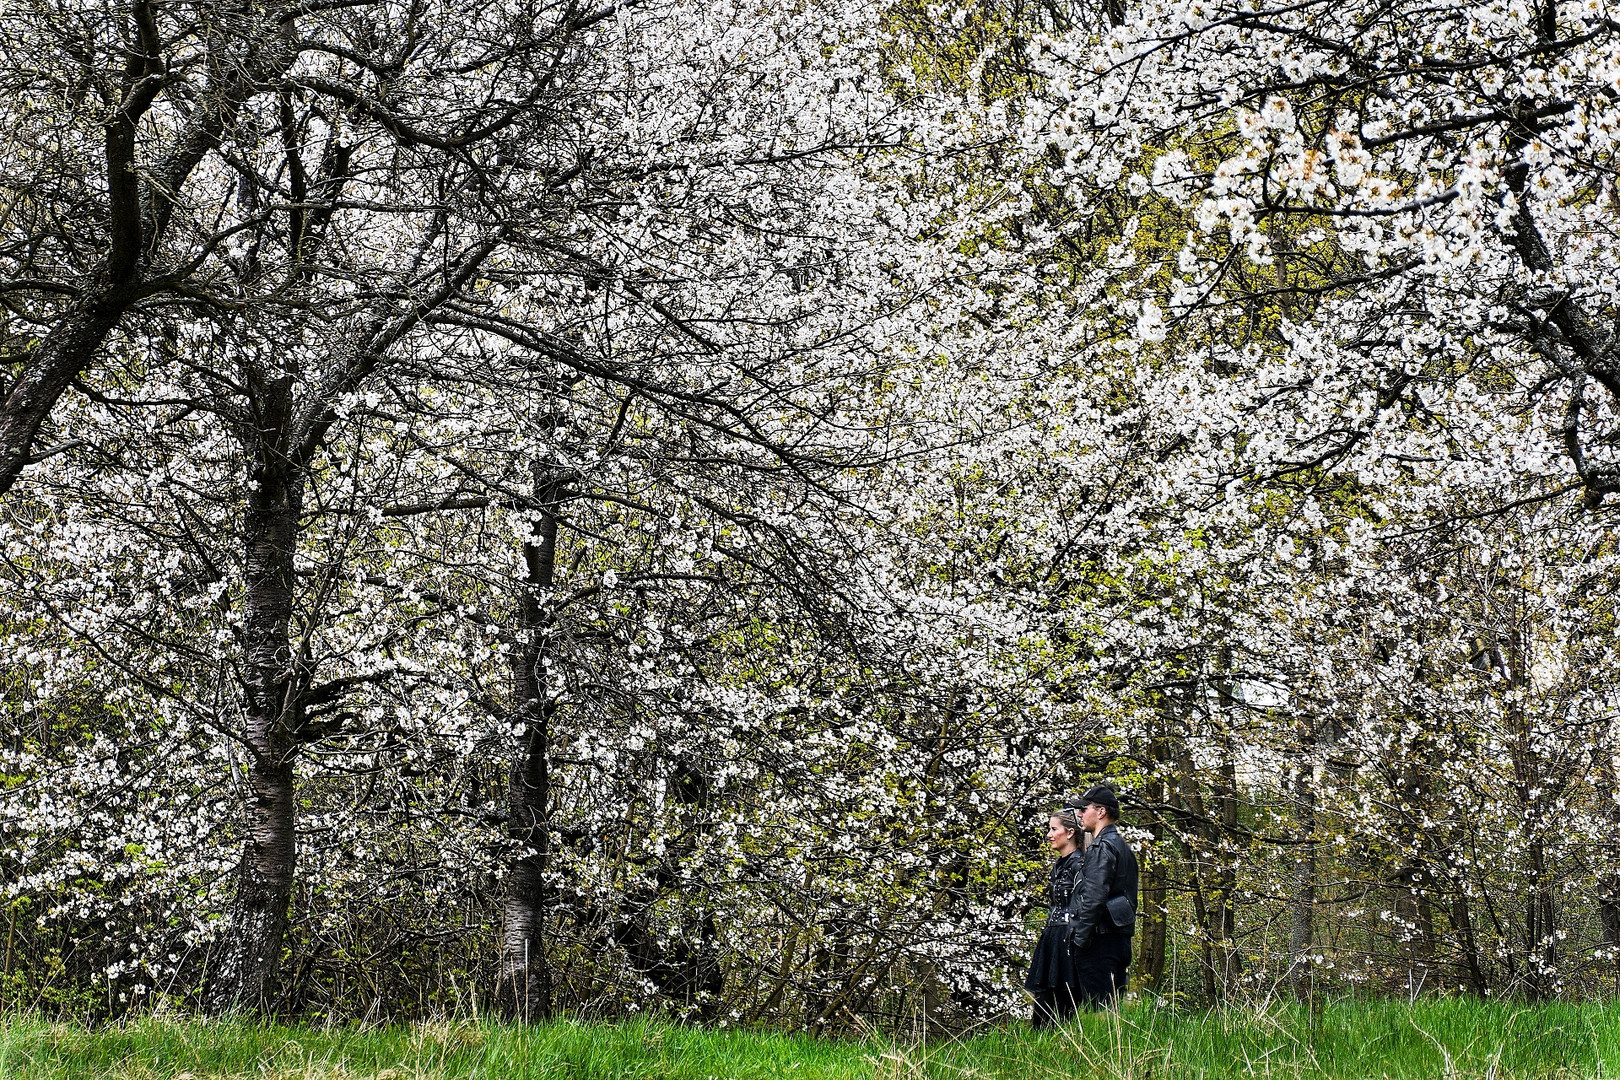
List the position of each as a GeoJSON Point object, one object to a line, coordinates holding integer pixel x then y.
{"type": "Point", "coordinates": [245, 970]}
{"type": "Point", "coordinates": [525, 975]}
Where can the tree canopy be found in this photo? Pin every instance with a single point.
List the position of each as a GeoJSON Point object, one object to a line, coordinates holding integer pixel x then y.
{"type": "Point", "coordinates": [648, 506]}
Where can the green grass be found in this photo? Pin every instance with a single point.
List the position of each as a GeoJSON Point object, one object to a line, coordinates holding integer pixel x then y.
{"type": "Point", "coordinates": [1441, 1039]}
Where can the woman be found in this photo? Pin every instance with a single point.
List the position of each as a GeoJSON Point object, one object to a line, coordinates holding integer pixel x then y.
{"type": "Point", "coordinates": [1052, 977]}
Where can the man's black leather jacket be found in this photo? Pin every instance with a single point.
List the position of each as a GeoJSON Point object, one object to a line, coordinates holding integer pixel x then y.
{"type": "Point", "coordinates": [1105, 900]}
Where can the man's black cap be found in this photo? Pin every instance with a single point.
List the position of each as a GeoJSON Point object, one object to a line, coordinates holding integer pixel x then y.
{"type": "Point", "coordinates": [1102, 795]}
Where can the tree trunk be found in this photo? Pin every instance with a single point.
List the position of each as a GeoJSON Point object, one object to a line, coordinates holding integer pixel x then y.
{"type": "Point", "coordinates": [66, 351]}
{"type": "Point", "coordinates": [1609, 914]}
{"type": "Point", "coordinates": [1413, 885]}
{"type": "Point", "coordinates": [1226, 884]}
{"type": "Point", "coordinates": [1302, 912]}
{"type": "Point", "coordinates": [244, 974]}
{"type": "Point", "coordinates": [1208, 967]}
{"type": "Point", "coordinates": [1541, 931]}
{"type": "Point", "coordinates": [1213, 883]}
{"type": "Point", "coordinates": [1151, 923]}
{"type": "Point", "coordinates": [1609, 883]}
{"type": "Point", "coordinates": [525, 975]}
{"type": "Point", "coordinates": [1540, 910]}
{"type": "Point", "coordinates": [1462, 919]}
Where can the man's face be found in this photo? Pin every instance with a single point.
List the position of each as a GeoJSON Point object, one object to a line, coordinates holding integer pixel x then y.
{"type": "Point", "coordinates": [1093, 817]}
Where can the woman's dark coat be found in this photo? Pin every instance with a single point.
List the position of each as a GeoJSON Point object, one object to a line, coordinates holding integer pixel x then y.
{"type": "Point", "coordinates": [1053, 966]}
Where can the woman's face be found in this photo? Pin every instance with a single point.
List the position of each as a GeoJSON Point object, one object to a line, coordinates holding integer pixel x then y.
{"type": "Point", "coordinates": [1061, 839]}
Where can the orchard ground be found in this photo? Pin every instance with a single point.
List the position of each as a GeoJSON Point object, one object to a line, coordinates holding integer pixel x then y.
{"type": "Point", "coordinates": [1450, 1039]}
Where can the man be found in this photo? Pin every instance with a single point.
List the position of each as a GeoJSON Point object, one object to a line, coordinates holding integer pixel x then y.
{"type": "Point", "coordinates": [1105, 915]}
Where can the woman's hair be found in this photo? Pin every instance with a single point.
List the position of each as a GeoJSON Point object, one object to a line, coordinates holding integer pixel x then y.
{"type": "Point", "coordinates": [1069, 818]}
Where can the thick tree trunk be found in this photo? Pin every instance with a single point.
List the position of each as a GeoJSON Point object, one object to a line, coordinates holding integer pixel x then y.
{"type": "Point", "coordinates": [525, 975]}
{"type": "Point", "coordinates": [244, 973]}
